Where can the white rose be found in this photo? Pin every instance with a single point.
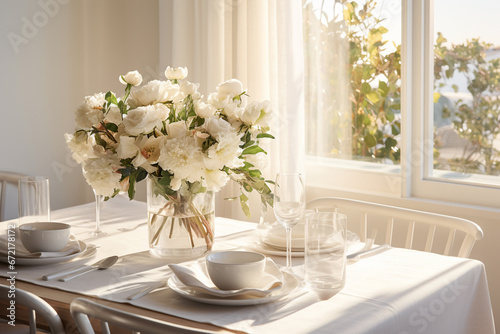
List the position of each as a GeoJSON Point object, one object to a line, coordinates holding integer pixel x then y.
{"type": "Point", "coordinates": [114, 115]}
{"type": "Point", "coordinates": [127, 148]}
{"type": "Point", "coordinates": [153, 92]}
{"type": "Point", "coordinates": [176, 73]}
{"type": "Point", "coordinates": [203, 109]}
{"type": "Point", "coordinates": [143, 120]}
{"type": "Point", "coordinates": [232, 88]}
{"type": "Point", "coordinates": [176, 129]}
{"type": "Point", "coordinates": [133, 77]}
{"type": "Point", "coordinates": [90, 112]}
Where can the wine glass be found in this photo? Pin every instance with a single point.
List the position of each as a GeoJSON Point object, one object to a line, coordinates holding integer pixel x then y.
{"type": "Point", "coordinates": [289, 205]}
{"type": "Point", "coordinates": [98, 201]}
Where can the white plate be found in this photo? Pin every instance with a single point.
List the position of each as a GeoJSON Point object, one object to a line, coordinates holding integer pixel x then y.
{"type": "Point", "coordinates": [38, 261]}
{"type": "Point", "coordinates": [289, 284]}
{"type": "Point", "coordinates": [277, 250]}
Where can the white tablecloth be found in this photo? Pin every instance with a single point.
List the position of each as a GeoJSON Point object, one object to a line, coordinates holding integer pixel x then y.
{"type": "Point", "coordinates": [398, 291]}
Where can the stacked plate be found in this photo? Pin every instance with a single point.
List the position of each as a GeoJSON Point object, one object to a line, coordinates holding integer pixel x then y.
{"type": "Point", "coordinates": [17, 253]}
{"type": "Point", "coordinates": [211, 295]}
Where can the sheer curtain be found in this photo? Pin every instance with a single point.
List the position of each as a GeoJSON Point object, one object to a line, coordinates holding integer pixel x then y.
{"type": "Point", "coordinates": [258, 42]}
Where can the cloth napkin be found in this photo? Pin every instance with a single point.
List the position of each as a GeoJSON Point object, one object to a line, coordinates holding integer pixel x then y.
{"type": "Point", "coordinates": [271, 280]}
{"type": "Point", "coordinates": [72, 247]}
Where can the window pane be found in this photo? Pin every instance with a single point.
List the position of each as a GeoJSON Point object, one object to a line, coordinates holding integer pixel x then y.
{"type": "Point", "coordinates": [353, 79]}
{"type": "Point", "coordinates": [466, 90]}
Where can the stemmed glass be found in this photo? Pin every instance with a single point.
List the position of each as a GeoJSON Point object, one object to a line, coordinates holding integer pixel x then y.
{"type": "Point", "coordinates": [289, 205]}
{"type": "Point", "coordinates": [98, 201]}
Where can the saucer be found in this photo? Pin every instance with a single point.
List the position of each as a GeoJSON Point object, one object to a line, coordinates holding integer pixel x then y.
{"type": "Point", "coordinates": [289, 284]}
{"type": "Point", "coordinates": [37, 261]}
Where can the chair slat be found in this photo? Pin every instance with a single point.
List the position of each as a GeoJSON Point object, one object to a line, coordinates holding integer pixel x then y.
{"type": "Point", "coordinates": [390, 231]}
{"type": "Point", "coordinates": [409, 235]}
{"type": "Point", "coordinates": [32, 321]}
{"type": "Point", "coordinates": [403, 216]}
{"type": "Point", "coordinates": [449, 242]}
{"type": "Point", "coordinates": [430, 238]}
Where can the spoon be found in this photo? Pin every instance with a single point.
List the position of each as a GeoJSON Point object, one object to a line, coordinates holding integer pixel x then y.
{"type": "Point", "coordinates": [187, 277]}
{"type": "Point", "coordinates": [104, 264]}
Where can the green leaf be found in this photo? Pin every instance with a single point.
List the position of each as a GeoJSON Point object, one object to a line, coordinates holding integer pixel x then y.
{"type": "Point", "coordinates": [248, 143]}
{"type": "Point", "coordinates": [366, 88]}
{"type": "Point", "coordinates": [390, 143]}
{"type": "Point", "coordinates": [252, 150]}
{"type": "Point", "coordinates": [244, 205]}
{"type": "Point", "coordinates": [373, 97]}
{"type": "Point", "coordinates": [112, 127]}
{"type": "Point", "coordinates": [389, 114]}
{"type": "Point", "coordinates": [265, 135]}
{"type": "Point", "coordinates": [370, 140]}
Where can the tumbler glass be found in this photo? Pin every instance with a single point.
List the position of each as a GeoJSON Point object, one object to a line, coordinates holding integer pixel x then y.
{"type": "Point", "coordinates": [34, 199]}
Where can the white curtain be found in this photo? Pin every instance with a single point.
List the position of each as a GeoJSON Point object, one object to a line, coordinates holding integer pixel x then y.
{"type": "Point", "coordinates": [258, 42]}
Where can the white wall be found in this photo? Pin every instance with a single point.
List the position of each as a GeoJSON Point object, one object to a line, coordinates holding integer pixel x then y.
{"type": "Point", "coordinates": [54, 52]}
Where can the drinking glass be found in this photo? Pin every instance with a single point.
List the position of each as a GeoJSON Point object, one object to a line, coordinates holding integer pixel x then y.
{"type": "Point", "coordinates": [33, 199]}
{"type": "Point", "coordinates": [325, 258]}
{"type": "Point", "coordinates": [289, 205]}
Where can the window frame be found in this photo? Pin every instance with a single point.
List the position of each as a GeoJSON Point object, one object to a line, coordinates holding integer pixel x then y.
{"type": "Point", "coordinates": [413, 177]}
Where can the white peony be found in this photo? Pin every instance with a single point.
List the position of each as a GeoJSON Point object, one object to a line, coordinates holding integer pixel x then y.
{"type": "Point", "coordinates": [81, 146]}
{"type": "Point", "coordinates": [133, 77]}
{"type": "Point", "coordinates": [153, 92]}
{"type": "Point", "coordinates": [217, 126]}
{"type": "Point", "coordinates": [176, 73]}
{"type": "Point", "coordinates": [203, 109]}
{"type": "Point", "coordinates": [215, 179]}
{"type": "Point", "coordinates": [90, 112]}
{"type": "Point", "coordinates": [231, 88]}
{"type": "Point", "coordinates": [182, 157]}
{"type": "Point", "coordinates": [143, 120]}
{"type": "Point", "coordinates": [225, 152]}
{"type": "Point", "coordinates": [102, 175]}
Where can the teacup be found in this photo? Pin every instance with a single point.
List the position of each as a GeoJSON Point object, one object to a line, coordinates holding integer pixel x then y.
{"type": "Point", "coordinates": [44, 236]}
{"type": "Point", "coordinates": [233, 270]}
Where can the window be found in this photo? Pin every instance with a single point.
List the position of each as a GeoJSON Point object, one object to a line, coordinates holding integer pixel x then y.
{"type": "Point", "coordinates": [424, 119]}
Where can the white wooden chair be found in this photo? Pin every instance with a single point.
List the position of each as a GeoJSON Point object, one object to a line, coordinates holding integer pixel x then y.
{"type": "Point", "coordinates": [81, 309]}
{"type": "Point", "coordinates": [405, 228]}
{"type": "Point", "coordinates": [5, 179]}
{"type": "Point", "coordinates": [36, 306]}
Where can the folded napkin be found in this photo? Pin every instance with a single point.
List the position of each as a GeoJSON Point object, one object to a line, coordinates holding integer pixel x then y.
{"type": "Point", "coordinates": [195, 275]}
{"type": "Point", "coordinates": [72, 247]}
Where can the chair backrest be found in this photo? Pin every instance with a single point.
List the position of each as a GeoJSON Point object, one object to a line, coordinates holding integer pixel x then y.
{"type": "Point", "coordinates": [35, 305]}
{"type": "Point", "coordinates": [81, 309]}
{"type": "Point", "coordinates": [5, 179]}
{"type": "Point", "coordinates": [405, 228]}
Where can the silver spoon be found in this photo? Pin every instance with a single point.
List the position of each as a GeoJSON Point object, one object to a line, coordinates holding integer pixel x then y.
{"type": "Point", "coordinates": [105, 264]}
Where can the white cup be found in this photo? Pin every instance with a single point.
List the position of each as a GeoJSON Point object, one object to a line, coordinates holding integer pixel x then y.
{"type": "Point", "coordinates": [34, 199]}
{"type": "Point", "coordinates": [325, 257]}
{"type": "Point", "coordinates": [234, 270]}
{"type": "Point", "coordinates": [44, 236]}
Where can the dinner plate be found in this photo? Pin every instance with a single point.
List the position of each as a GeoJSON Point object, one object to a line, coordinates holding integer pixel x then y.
{"type": "Point", "coordinates": [38, 261]}
{"type": "Point", "coordinates": [289, 284]}
{"type": "Point", "coordinates": [269, 248]}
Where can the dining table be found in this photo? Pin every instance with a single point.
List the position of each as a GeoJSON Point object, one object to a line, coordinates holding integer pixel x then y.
{"type": "Point", "coordinates": [396, 291]}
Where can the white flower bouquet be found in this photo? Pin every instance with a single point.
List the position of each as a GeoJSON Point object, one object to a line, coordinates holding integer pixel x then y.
{"type": "Point", "coordinates": [166, 129]}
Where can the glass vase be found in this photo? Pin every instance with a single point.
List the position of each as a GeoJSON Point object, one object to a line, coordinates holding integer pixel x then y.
{"type": "Point", "coordinates": [179, 226]}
